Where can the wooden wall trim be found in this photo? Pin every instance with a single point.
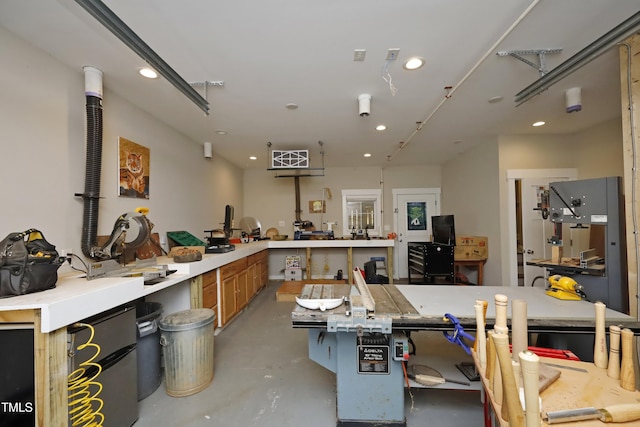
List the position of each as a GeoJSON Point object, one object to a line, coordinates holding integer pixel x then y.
{"type": "Point", "coordinates": [630, 49]}
{"type": "Point", "coordinates": [50, 376]}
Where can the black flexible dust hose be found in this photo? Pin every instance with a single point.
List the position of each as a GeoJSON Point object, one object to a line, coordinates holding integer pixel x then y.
{"type": "Point", "coordinates": [91, 193]}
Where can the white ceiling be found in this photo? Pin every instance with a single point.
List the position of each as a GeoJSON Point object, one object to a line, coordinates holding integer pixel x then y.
{"type": "Point", "coordinates": [270, 53]}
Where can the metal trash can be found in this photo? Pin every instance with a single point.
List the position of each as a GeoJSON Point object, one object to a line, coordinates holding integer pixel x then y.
{"type": "Point", "coordinates": [148, 342]}
{"type": "Point", "coordinates": [187, 346]}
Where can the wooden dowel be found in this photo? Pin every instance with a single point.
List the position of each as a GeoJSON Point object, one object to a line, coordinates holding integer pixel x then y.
{"type": "Point", "coordinates": [600, 357]}
{"type": "Point", "coordinates": [530, 368]}
{"type": "Point", "coordinates": [491, 361]}
{"type": "Point", "coordinates": [613, 369]}
{"type": "Point", "coordinates": [514, 408]}
{"type": "Point", "coordinates": [627, 371]}
{"type": "Point", "coordinates": [519, 329]}
{"type": "Point", "coordinates": [480, 344]}
{"type": "Point", "coordinates": [501, 314]}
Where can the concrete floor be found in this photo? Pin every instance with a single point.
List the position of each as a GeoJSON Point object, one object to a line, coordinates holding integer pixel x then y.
{"type": "Point", "coordinates": [263, 377]}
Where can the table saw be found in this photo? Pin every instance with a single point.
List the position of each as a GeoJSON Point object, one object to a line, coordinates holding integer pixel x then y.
{"type": "Point", "coordinates": [365, 340]}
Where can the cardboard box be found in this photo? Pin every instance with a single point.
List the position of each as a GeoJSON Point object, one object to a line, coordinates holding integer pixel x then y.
{"type": "Point", "coordinates": [471, 247]}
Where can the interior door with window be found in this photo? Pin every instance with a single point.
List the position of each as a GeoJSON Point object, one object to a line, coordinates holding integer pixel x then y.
{"type": "Point", "coordinates": [414, 209]}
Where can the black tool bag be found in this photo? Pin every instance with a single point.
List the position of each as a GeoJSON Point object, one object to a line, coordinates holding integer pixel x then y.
{"type": "Point", "coordinates": [28, 263]}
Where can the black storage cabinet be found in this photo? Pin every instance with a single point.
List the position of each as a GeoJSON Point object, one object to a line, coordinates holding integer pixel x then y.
{"type": "Point", "coordinates": [428, 261]}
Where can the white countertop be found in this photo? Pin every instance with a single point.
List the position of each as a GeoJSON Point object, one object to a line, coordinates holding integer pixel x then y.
{"type": "Point", "coordinates": [74, 298]}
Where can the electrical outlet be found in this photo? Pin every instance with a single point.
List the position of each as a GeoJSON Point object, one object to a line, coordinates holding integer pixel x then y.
{"type": "Point", "coordinates": [358, 54]}
{"type": "Point", "coordinates": [280, 223]}
{"type": "Point", "coordinates": [392, 54]}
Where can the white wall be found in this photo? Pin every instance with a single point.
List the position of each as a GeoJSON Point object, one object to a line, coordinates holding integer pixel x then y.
{"type": "Point", "coordinates": [598, 151]}
{"type": "Point", "coordinates": [470, 185]}
{"type": "Point", "coordinates": [42, 117]}
{"type": "Point", "coordinates": [270, 200]}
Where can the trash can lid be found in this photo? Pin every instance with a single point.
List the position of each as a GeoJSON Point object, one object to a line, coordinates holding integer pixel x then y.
{"type": "Point", "coordinates": [187, 319]}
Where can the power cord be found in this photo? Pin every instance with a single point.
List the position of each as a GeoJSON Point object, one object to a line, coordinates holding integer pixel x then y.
{"type": "Point", "coordinates": [69, 257]}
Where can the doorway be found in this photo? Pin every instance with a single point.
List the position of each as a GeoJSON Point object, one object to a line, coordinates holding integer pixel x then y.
{"type": "Point", "coordinates": [412, 209]}
{"type": "Point", "coordinates": [528, 231]}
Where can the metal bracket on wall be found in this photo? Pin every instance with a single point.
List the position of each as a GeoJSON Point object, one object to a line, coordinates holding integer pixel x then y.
{"type": "Point", "coordinates": [540, 66]}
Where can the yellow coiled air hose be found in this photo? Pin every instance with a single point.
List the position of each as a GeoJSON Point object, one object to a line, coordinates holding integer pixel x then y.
{"type": "Point", "coordinates": [84, 403]}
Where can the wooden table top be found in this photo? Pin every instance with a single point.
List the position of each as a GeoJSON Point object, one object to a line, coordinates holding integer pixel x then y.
{"type": "Point", "coordinates": [580, 385]}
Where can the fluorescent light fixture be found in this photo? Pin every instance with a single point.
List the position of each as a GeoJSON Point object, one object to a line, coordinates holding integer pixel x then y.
{"type": "Point", "coordinates": [367, 154]}
{"type": "Point", "coordinates": [537, 124]}
{"type": "Point", "coordinates": [110, 20]}
{"type": "Point", "coordinates": [580, 59]}
{"type": "Point", "coordinates": [381, 127]}
{"type": "Point", "coordinates": [148, 73]}
{"type": "Point", "coordinates": [221, 132]}
{"type": "Point", "coordinates": [253, 158]}
{"type": "Point", "coordinates": [413, 63]}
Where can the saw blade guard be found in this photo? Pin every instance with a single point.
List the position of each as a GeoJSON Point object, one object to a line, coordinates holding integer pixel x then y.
{"type": "Point", "coordinates": [130, 231]}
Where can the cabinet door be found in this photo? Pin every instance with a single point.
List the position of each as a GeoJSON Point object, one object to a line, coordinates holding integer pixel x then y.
{"type": "Point", "coordinates": [263, 273]}
{"type": "Point", "coordinates": [210, 290]}
{"type": "Point", "coordinates": [228, 290]}
{"type": "Point", "coordinates": [252, 280]}
{"type": "Point", "coordinates": [242, 284]}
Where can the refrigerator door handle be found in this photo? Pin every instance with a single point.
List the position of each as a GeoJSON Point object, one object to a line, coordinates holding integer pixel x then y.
{"type": "Point", "coordinates": [110, 360]}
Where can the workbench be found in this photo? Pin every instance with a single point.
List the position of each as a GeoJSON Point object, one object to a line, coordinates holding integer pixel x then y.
{"type": "Point", "coordinates": [339, 338]}
{"type": "Point", "coordinates": [417, 307]}
{"type": "Point", "coordinates": [346, 244]}
{"type": "Point", "coordinates": [75, 298]}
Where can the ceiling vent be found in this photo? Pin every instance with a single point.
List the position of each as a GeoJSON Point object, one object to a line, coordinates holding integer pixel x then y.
{"type": "Point", "coordinates": [289, 159]}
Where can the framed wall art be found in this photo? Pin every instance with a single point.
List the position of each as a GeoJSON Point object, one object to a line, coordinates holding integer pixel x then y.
{"type": "Point", "coordinates": [133, 161]}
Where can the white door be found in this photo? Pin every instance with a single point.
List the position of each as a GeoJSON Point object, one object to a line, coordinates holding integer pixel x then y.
{"type": "Point", "coordinates": [414, 209]}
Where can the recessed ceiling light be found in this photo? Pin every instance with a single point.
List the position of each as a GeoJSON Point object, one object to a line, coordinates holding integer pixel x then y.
{"type": "Point", "coordinates": [367, 154]}
{"type": "Point", "coordinates": [291, 106]}
{"type": "Point", "coordinates": [381, 127]}
{"type": "Point", "coordinates": [221, 132]}
{"type": "Point", "coordinates": [148, 73]}
{"type": "Point", "coordinates": [253, 158]}
{"type": "Point", "coordinates": [495, 99]}
{"type": "Point", "coordinates": [540, 123]}
{"type": "Point", "coordinates": [413, 63]}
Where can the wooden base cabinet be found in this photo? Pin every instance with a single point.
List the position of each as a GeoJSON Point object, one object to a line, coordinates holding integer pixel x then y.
{"type": "Point", "coordinates": [233, 288]}
{"type": "Point", "coordinates": [239, 282]}
{"type": "Point", "coordinates": [258, 267]}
